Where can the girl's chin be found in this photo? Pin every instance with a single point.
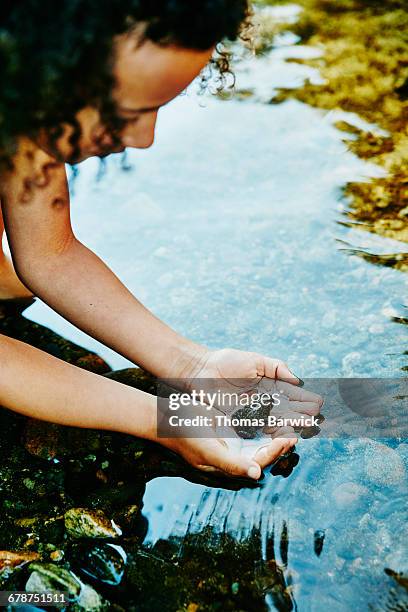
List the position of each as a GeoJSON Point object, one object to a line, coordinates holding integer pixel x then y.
{"type": "Point", "coordinates": [100, 153]}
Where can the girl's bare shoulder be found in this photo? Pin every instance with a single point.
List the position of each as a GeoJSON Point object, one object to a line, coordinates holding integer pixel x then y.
{"type": "Point", "coordinates": [30, 167]}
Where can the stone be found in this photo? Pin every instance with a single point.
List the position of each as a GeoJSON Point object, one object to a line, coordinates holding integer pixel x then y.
{"type": "Point", "coordinates": [9, 561]}
{"type": "Point", "coordinates": [41, 438]}
{"type": "Point", "coordinates": [383, 465]}
{"type": "Point", "coordinates": [85, 523]}
{"type": "Point", "coordinates": [89, 601]}
{"type": "Point", "coordinates": [135, 377]}
{"type": "Point", "coordinates": [53, 442]}
{"type": "Point", "coordinates": [48, 576]}
{"type": "Point", "coordinates": [56, 555]}
{"type": "Point", "coordinates": [51, 577]}
{"type": "Point", "coordinates": [103, 562]}
{"type": "Point", "coordinates": [319, 536]}
{"type": "Point", "coordinates": [348, 493]}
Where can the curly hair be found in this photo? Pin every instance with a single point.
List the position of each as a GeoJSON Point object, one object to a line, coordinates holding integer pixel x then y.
{"type": "Point", "coordinates": [56, 56]}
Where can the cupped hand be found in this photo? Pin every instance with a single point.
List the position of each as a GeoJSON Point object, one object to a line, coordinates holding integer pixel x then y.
{"type": "Point", "coordinates": [231, 364]}
{"type": "Point", "coordinates": [240, 372]}
{"type": "Point", "coordinates": [218, 455]}
{"type": "Point", "coordinates": [234, 371]}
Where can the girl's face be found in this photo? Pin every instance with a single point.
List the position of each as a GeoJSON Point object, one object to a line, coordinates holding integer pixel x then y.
{"type": "Point", "coordinates": [147, 77]}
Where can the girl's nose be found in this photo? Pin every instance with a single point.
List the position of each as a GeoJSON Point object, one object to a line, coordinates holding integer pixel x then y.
{"type": "Point", "coordinates": [141, 135]}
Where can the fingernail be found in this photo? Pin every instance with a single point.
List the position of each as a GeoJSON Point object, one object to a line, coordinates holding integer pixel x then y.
{"type": "Point", "coordinates": [253, 472]}
{"type": "Point", "coordinates": [301, 382]}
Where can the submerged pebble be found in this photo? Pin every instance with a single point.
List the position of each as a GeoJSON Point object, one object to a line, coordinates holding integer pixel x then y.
{"type": "Point", "coordinates": [383, 465]}
{"type": "Point", "coordinates": [85, 523]}
{"type": "Point", "coordinates": [89, 601]}
{"type": "Point", "coordinates": [10, 561]}
{"type": "Point", "coordinates": [103, 562]}
{"type": "Point", "coordinates": [50, 577]}
{"type": "Point", "coordinates": [319, 536]}
{"type": "Point", "coordinates": [348, 493]}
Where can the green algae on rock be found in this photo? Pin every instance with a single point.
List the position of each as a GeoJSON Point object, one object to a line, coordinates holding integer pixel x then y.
{"type": "Point", "coordinates": [50, 577]}
{"type": "Point", "coordinates": [85, 523]}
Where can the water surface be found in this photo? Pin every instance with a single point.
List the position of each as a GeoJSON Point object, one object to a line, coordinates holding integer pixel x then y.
{"type": "Point", "coordinates": [227, 229]}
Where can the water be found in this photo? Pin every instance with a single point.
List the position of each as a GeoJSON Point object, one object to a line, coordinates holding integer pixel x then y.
{"type": "Point", "coordinates": [227, 230]}
{"type": "Point", "coordinates": [235, 209]}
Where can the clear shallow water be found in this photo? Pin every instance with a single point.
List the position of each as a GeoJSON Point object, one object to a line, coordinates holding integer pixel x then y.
{"type": "Point", "coordinates": [227, 230]}
{"type": "Point", "coordinates": [339, 490]}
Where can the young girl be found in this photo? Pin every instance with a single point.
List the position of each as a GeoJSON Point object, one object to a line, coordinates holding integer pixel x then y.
{"type": "Point", "coordinates": [82, 78]}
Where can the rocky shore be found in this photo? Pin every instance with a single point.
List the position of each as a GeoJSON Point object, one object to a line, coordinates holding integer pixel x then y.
{"type": "Point", "coordinates": [72, 521]}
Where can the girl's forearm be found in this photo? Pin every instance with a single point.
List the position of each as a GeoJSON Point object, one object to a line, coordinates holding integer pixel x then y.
{"type": "Point", "coordinates": [79, 286]}
{"type": "Point", "coordinates": [37, 385]}
{"type": "Point", "coordinates": [74, 281]}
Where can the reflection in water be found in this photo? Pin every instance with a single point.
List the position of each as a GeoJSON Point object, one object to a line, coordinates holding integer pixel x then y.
{"type": "Point", "coordinates": [363, 71]}
{"type": "Point", "coordinates": [333, 525]}
{"type": "Point", "coordinates": [392, 260]}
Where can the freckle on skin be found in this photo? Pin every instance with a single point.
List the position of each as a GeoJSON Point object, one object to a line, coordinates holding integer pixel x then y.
{"type": "Point", "coordinates": [58, 203]}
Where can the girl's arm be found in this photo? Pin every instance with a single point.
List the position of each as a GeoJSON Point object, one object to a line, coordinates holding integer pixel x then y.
{"type": "Point", "coordinates": [73, 281]}
{"type": "Point", "coordinates": [36, 384]}
{"type": "Point", "coordinates": [77, 284]}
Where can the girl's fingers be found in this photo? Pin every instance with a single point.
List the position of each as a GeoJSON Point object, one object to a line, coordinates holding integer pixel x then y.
{"type": "Point", "coordinates": [278, 370]}
{"type": "Point", "coordinates": [269, 453]}
{"type": "Point", "coordinates": [220, 458]}
{"type": "Point", "coordinates": [312, 409]}
{"type": "Point", "coordinates": [290, 390]}
{"type": "Point", "coordinates": [296, 393]}
{"type": "Point", "coordinates": [279, 431]}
